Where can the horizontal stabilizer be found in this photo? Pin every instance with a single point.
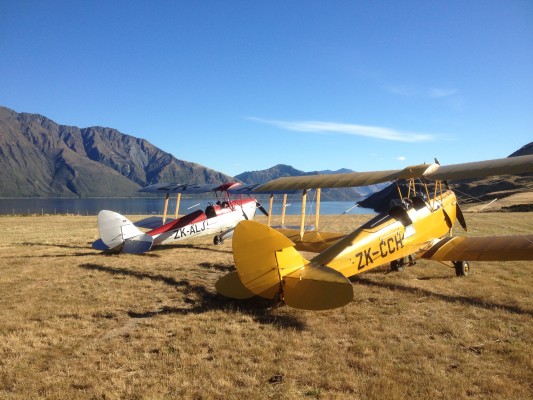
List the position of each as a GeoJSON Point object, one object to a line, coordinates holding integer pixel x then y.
{"type": "Point", "coordinates": [138, 244]}
{"type": "Point", "coordinates": [231, 286]}
{"type": "Point", "coordinates": [100, 245]}
{"type": "Point", "coordinates": [317, 288]}
{"type": "Point", "coordinates": [488, 248]}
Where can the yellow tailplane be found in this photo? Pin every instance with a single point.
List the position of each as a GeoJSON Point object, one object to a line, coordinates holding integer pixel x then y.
{"type": "Point", "coordinates": [269, 266]}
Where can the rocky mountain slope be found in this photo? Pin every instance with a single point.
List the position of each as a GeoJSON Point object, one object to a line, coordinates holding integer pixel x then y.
{"type": "Point", "coordinates": [40, 158]}
{"type": "Point", "coordinates": [497, 187]}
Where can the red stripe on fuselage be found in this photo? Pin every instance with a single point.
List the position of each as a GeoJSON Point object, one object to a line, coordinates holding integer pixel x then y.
{"type": "Point", "coordinates": [196, 216]}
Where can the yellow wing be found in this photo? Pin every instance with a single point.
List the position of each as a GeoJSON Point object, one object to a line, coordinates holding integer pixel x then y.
{"type": "Point", "coordinates": [488, 248]}
{"type": "Point", "coordinates": [501, 166]}
{"type": "Point", "coordinates": [480, 169]}
{"type": "Point", "coordinates": [312, 241]}
{"type": "Point", "coordinates": [351, 179]}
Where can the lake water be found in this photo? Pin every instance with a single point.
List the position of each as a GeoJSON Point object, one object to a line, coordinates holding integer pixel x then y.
{"type": "Point", "coordinates": [148, 206]}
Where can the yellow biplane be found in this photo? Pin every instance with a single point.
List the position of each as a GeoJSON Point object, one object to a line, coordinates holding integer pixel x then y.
{"type": "Point", "coordinates": [419, 225]}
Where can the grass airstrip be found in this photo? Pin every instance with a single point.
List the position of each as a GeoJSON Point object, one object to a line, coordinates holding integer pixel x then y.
{"type": "Point", "coordinates": [79, 324]}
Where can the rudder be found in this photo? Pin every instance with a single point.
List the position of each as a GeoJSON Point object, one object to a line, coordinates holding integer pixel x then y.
{"type": "Point", "coordinates": [119, 234]}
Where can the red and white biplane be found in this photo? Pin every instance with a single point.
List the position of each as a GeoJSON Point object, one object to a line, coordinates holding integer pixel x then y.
{"type": "Point", "coordinates": [119, 234]}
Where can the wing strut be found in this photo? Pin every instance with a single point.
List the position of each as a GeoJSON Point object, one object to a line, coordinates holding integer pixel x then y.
{"type": "Point", "coordinates": [167, 196]}
{"type": "Point", "coordinates": [270, 209]}
{"type": "Point", "coordinates": [178, 200]}
{"type": "Point", "coordinates": [400, 190]}
{"type": "Point", "coordinates": [302, 221]}
{"type": "Point", "coordinates": [284, 205]}
{"type": "Point", "coordinates": [434, 202]}
{"type": "Point", "coordinates": [317, 212]}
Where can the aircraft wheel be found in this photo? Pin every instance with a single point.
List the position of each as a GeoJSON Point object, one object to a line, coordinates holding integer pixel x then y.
{"type": "Point", "coordinates": [462, 268]}
{"type": "Point", "coordinates": [397, 265]}
{"type": "Point", "coordinates": [217, 240]}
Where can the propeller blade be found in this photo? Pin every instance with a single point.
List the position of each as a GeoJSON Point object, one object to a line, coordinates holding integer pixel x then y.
{"type": "Point", "coordinates": [447, 218]}
{"type": "Point", "coordinates": [460, 216]}
{"type": "Point", "coordinates": [261, 208]}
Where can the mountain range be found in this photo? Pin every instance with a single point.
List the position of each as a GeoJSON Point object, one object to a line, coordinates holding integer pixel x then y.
{"type": "Point", "coordinates": [40, 158]}
{"type": "Point", "coordinates": [282, 170]}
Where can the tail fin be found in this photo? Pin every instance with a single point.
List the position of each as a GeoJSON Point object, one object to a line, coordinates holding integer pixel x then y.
{"type": "Point", "coordinates": [117, 233]}
{"type": "Point", "coordinates": [269, 266]}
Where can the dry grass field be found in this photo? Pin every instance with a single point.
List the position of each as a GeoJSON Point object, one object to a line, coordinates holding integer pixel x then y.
{"type": "Point", "coordinates": [78, 324]}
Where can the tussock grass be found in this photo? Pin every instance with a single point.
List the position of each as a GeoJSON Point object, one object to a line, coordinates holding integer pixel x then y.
{"type": "Point", "coordinates": [75, 323]}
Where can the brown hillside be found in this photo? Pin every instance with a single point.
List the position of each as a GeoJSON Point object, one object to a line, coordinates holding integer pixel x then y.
{"type": "Point", "coordinates": [40, 158]}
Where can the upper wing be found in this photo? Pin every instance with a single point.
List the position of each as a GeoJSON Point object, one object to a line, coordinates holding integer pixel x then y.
{"type": "Point", "coordinates": [350, 179]}
{"type": "Point", "coordinates": [252, 189]}
{"type": "Point", "coordinates": [502, 166]}
{"type": "Point", "coordinates": [184, 188]}
{"type": "Point", "coordinates": [231, 187]}
{"type": "Point", "coordinates": [488, 248]}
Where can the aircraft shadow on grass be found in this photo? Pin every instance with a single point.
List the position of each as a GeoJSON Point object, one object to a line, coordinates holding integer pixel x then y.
{"type": "Point", "coordinates": [259, 309]}
{"type": "Point", "coordinates": [218, 267]}
{"type": "Point", "coordinates": [448, 298]}
{"type": "Point", "coordinates": [63, 246]}
{"type": "Point", "coordinates": [77, 254]}
{"type": "Point", "coordinates": [190, 246]}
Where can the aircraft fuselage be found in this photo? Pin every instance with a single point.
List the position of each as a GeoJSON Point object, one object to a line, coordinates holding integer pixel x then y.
{"type": "Point", "coordinates": [216, 219]}
{"type": "Point", "coordinates": [401, 232]}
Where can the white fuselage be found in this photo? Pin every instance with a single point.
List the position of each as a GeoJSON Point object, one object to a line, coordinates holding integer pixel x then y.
{"type": "Point", "coordinates": [223, 221]}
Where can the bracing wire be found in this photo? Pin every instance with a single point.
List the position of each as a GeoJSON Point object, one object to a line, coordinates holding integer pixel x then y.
{"type": "Point", "coordinates": [325, 195]}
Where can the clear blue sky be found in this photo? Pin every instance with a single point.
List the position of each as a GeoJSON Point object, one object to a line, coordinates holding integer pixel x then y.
{"type": "Point", "coordinates": [244, 85]}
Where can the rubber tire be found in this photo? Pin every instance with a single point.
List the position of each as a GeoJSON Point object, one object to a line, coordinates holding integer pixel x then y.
{"type": "Point", "coordinates": [397, 265]}
{"type": "Point", "coordinates": [462, 268]}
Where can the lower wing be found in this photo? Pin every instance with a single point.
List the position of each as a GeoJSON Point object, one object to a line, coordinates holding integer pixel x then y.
{"type": "Point", "coordinates": [312, 241]}
{"type": "Point", "coordinates": [487, 248]}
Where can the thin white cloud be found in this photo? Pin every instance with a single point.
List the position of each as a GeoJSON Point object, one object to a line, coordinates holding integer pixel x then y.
{"type": "Point", "coordinates": [402, 91]}
{"type": "Point", "coordinates": [437, 93]}
{"type": "Point", "coordinates": [411, 91]}
{"type": "Point", "coordinates": [401, 158]}
{"type": "Point", "coordinates": [375, 132]}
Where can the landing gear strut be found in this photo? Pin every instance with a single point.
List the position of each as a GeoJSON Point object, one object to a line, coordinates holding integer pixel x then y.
{"type": "Point", "coordinates": [401, 263]}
